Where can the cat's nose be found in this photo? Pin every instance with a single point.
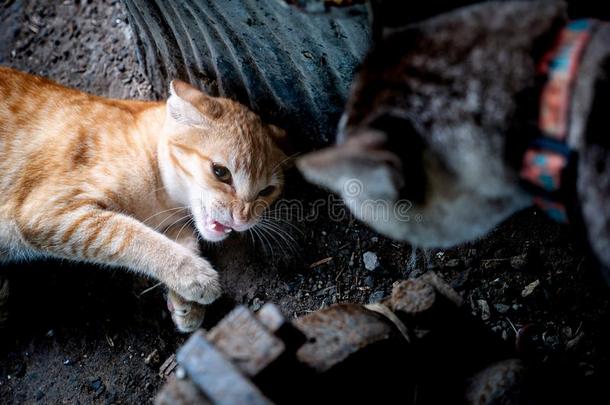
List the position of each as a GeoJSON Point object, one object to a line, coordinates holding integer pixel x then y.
{"type": "Point", "coordinates": [405, 141]}
{"type": "Point", "coordinates": [240, 218]}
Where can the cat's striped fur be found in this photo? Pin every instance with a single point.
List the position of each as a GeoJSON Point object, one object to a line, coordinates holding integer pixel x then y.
{"type": "Point", "coordinates": [122, 183]}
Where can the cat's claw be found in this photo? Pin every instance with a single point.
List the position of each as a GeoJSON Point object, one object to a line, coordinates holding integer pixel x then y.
{"type": "Point", "coordinates": [187, 316]}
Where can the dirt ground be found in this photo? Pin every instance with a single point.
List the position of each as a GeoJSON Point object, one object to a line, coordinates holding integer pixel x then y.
{"type": "Point", "coordinates": [81, 334]}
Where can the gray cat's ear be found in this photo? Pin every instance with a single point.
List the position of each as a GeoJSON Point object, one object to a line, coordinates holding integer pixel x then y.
{"type": "Point", "coordinates": [356, 170]}
{"type": "Point", "coordinates": [189, 106]}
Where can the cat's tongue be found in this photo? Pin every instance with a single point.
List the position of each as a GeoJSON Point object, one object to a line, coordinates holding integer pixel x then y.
{"type": "Point", "coordinates": [218, 227]}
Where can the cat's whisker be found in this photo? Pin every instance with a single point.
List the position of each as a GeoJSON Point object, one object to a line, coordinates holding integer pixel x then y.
{"type": "Point", "coordinates": [187, 223]}
{"type": "Point", "coordinates": [280, 231]}
{"type": "Point", "coordinates": [278, 166]}
{"type": "Point", "coordinates": [173, 223]}
{"type": "Point", "coordinates": [149, 289]}
{"type": "Point", "coordinates": [163, 212]}
{"type": "Point", "coordinates": [160, 225]}
{"type": "Point", "coordinates": [285, 238]}
{"type": "Point", "coordinates": [258, 237]}
{"type": "Point", "coordinates": [264, 237]}
{"type": "Point", "coordinates": [284, 221]}
{"type": "Point", "coordinates": [251, 237]}
{"type": "Point", "coordinates": [267, 232]}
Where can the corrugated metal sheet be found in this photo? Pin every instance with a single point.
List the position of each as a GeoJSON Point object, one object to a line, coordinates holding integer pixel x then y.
{"type": "Point", "coordinates": [291, 67]}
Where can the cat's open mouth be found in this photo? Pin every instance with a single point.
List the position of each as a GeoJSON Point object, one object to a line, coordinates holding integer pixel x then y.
{"type": "Point", "coordinates": [219, 228]}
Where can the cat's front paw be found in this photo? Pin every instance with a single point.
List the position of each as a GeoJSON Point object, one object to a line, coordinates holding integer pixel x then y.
{"type": "Point", "coordinates": [187, 315]}
{"type": "Point", "coordinates": [196, 280]}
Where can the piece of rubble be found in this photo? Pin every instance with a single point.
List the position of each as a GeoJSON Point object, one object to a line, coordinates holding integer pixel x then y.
{"type": "Point", "coordinates": [337, 332]}
{"type": "Point", "coordinates": [502, 308]}
{"type": "Point", "coordinates": [181, 392]}
{"type": "Point", "coordinates": [168, 366]}
{"type": "Point", "coordinates": [484, 307]}
{"type": "Point", "coordinates": [371, 261]}
{"type": "Point", "coordinates": [215, 375]}
{"type": "Point", "coordinates": [413, 297]}
{"type": "Point", "coordinates": [529, 289]}
{"type": "Point", "coordinates": [243, 338]}
{"type": "Point", "coordinates": [500, 383]}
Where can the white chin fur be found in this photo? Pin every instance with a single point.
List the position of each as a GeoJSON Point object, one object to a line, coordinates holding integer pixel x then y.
{"type": "Point", "coordinates": [212, 236]}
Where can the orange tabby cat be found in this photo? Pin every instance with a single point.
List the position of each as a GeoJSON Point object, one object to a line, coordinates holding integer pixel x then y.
{"type": "Point", "coordinates": [122, 183]}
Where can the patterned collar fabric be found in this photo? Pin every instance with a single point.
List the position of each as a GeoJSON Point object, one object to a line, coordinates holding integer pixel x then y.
{"type": "Point", "coordinates": [548, 156]}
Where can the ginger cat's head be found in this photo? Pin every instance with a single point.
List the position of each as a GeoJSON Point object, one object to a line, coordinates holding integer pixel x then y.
{"type": "Point", "coordinates": [218, 158]}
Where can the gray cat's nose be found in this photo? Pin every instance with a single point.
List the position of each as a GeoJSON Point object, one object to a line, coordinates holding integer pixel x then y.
{"type": "Point", "coordinates": [407, 143]}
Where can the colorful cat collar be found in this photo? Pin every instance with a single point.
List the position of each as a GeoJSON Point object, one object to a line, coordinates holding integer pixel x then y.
{"type": "Point", "coordinates": [548, 156]}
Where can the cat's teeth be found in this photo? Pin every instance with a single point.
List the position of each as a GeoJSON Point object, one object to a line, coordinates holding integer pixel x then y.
{"type": "Point", "coordinates": [228, 230]}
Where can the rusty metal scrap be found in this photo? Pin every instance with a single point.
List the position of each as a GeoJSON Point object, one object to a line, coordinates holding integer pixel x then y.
{"type": "Point", "coordinates": [184, 391]}
{"type": "Point", "coordinates": [246, 341]}
{"type": "Point", "coordinates": [215, 375]}
{"type": "Point", "coordinates": [351, 354]}
{"type": "Point", "coordinates": [337, 332]}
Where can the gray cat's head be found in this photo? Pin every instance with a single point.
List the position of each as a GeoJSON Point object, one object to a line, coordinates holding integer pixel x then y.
{"type": "Point", "coordinates": [421, 153]}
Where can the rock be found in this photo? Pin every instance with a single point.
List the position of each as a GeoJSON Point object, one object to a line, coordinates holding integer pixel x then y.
{"type": "Point", "coordinates": [97, 386]}
{"type": "Point", "coordinates": [376, 297]}
{"type": "Point", "coordinates": [371, 261]}
{"type": "Point", "coordinates": [152, 358]}
{"type": "Point", "coordinates": [500, 383]}
{"type": "Point", "coordinates": [484, 307]}
{"type": "Point", "coordinates": [39, 395]}
{"type": "Point", "coordinates": [452, 263]}
{"type": "Point", "coordinates": [529, 289]}
{"type": "Point", "coordinates": [518, 262]}
{"type": "Point", "coordinates": [460, 281]}
{"type": "Point", "coordinates": [572, 343]}
{"type": "Point", "coordinates": [502, 308]}
{"type": "Point", "coordinates": [256, 304]}
{"type": "Point", "coordinates": [369, 281]}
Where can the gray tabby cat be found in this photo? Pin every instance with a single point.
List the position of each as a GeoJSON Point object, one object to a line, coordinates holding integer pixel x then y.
{"type": "Point", "coordinates": [441, 113]}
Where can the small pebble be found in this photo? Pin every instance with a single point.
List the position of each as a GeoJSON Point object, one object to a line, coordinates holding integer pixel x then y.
{"type": "Point", "coordinates": [484, 307]}
{"type": "Point", "coordinates": [256, 304]}
{"type": "Point", "coordinates": [376, 297]}
{"type": "Point", "coordinates": [518, 262]}
{"type": "Point", "coordinates": [530, 288]}
{"type": "Point", "coordinates": [502, 308]}
{"type": "Point", "coordinates": [452, 263]}
{"type": "Point", "coordinates": [371, 261]}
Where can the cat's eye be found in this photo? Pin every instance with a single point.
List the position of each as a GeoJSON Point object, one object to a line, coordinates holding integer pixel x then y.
{"type": "Point", "coordinates": [267, 191]}
{"type": "Point", "coordinates": [222, 173]}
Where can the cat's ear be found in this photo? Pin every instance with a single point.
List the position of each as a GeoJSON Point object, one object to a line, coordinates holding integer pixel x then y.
{"type": "Point", "coordinates": [189, 106]}
{"type": "Point", "coordinates": [280, 138]}
{"type": "Point", "coordinates": [357, 169]}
